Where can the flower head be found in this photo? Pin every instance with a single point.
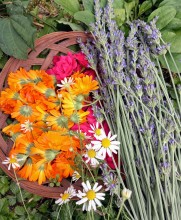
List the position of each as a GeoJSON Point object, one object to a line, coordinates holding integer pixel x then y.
{"type": "Point", "coordinates": [97, 131]}
{"type": "Point", "coordinates": [90, 196]}
{"type": "Point", "coordinates": [66, 196]}
{"type": "Point", "coordinates": [106, 145]}
{"type": "Point", "coordinates": [66, 83]}
{"type": "Point", "coordinates": [75, 176]}
{"type": "Point", "coordinates": [27, 126]}
{"type": "Point", "coordinates": [12, 161]}
{"type": "Point", "coordinates": [126, 193]}
{"type": "Point", "coordinates": [92, 155]}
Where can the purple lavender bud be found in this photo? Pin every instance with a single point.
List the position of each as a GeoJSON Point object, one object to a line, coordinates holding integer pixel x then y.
{"type": "Point", "coordinates": [139, 91]}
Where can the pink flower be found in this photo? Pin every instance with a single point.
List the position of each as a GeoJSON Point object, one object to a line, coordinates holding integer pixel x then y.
{"type": "Point", "coordinates": [91, 119]}
{"type": "Point", "coordinates": [64, 66]}
{"type": "Point", "coordinates": [81, 58]}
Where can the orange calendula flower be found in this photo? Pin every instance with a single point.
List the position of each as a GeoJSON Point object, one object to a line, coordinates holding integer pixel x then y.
{"type": "Point", "coordinates": [70, 105]}
{"type": "Point", "coordinates": [23, 112]}
{"type": "Point", "coordinates": [84, 85]}
{"type": "Point", "coordinates": [8, 100]}
{"type": "Point", "coordinates": [58, 121]}
{"type": "Point", "coordinates": [26, 171]}
{"type": "Point", "coordinates": [18, 79]}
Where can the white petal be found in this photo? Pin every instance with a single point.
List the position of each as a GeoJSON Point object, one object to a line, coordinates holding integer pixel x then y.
{"type": "Point", "coordinates": [98, 202]}
{"type": "Point", "coordinates": [95, 186]}
{"type": "Point", "coordinates": [9, 167]}
{"type": "Point", "coordinates": [89, 206]}
{"type": "Point", "coordinates": [85, 187]}
{"type": "Point", "coordinates": [109, 152]}
{"type": "Point", "coordinates": [82, 201]}
{"type": "Point", "coordinates": [98, 188]}
{"type": "Point", "coordinates": [88, 184]}
{"type": "Point", "coordinates": [109, 135]}
{"type": "Point", "coordinates": [93, 205]}
{"type": "Point", "coordinates": [115, 142]}
{"type": "Point", "coordinates": [113, 137]}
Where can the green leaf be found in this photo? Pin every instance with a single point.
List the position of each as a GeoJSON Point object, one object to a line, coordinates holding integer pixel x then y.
{"type": "Point", "coordinates": [174, 38]}
{"type": "Point", "coordinates": [11, 200]}
{"type": "Point", "coordinates": [19, 210]}
{"type": "Point", "coordinates": [16, 36]}
{"type": "Point", "coordinates": [73, 26]}
{"type": "Point", "coordinates": [1, 54]}
{"type": "Point", "coordinates": [168, 36]}
{"type": "Point", "coordinates": [15, 8]}
{"type": "Point", "coordinates": [120, 16]}
{"type": "Point", "coordinates": [14, 188]}
{"type": "Point", "coordinates": [23, 27]}
{"type": "Point", "coordinates": [176, 42]}
{"type": "Point", "coordinates": [4, 206]}
{"type": "Point", "coordinates": [178, 15]}
{"type": "Point", "coordinates": [171, 3]}
{"type": "Point", "coordinates": [118, 4]}
{"type": "Point", "coordinates": [84, 16]}
{"type": "Point", "coordinates": [88, 5]}
{"type": "Point", "coordinates": [71, 6]}
{"type": "Point", "coordinates": [165, 15]}
{"type": "Point", "coordinates": [175, 24]}
{"type": "Point", "coordinates": [177, 59]}
{"type": "Point", "coordinates": [128, 7]}
{"type": "Point", "coordinates": [144, 7]}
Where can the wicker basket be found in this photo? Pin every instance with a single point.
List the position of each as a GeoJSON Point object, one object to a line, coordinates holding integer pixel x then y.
{"type": "Point", "coordinates": [53, 43]}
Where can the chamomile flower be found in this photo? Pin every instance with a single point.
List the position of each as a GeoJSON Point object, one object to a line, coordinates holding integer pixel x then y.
{"type": "Point", "coordinates": [12, 161]}
{"type": "Point", "coordinates": [97, 131]}
{"type": "Point", "coordinates": [66, 83]}
{"type": "Point", "coordinates": [90, 197]}
{"type": "Point", "coordinates": [75, 176]}
{"type": "Point", "coordinates": [92, 156]}
{"type": "Point", "coordinates": [106, 144]}
{"type": "Point", "coordinates": [66, 196]}
{"type": "Point", "coordinates": [27, 126]}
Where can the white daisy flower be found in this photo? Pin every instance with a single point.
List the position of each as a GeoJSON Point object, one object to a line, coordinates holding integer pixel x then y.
{"type": "Point", "coordinates": [92, 156]}
{"type": "Point", "coordinates": [75, 176]}
{"type": "Point", "coordinates": [106, 145]}
{"type": "Point", "coordinates": [97, 131]}
{"type": "Point", "coordinates": [126, 193]}
{"type": "Point", "coordinates": [66, 196]}
{"type": "Point", "coordinates": [90, 196]}
{"type": "Point", "coordinates": [66, 83]}
{"type": "Point", "coordinates": [12, 161]}
{"type": "Point", "coordinates": [27, 126]}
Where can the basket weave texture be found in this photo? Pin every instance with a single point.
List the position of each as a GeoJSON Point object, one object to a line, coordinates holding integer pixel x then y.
{"type": "Point", "coordinates": [54, 43]}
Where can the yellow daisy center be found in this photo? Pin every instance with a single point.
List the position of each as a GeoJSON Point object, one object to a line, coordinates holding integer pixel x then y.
{"type": "Point", "coordinates": [98, 132]}
{"type": "Point", "coordinates": [91, 153]}
{"type": "Point", "coordinates": [65, 196]}
{"type": "Point", "coordinates": [12, 160]}
{"type": "Point", "coordinates": [77, 176]}
{"type": "Point", "coordinates": [91, 195]}
{"type": "Point", "coordinates": [106, 143]}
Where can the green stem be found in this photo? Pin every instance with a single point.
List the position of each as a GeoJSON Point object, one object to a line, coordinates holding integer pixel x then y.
{"type": "Point", "coordinates": [21, 194]}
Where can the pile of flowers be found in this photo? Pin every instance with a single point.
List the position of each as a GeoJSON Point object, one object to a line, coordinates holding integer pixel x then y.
{"type": "Point", "coordinates": [55, 131]}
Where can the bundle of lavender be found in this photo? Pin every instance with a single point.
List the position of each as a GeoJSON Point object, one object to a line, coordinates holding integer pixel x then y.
{"type": "Point", "coordinates": [138, 108]}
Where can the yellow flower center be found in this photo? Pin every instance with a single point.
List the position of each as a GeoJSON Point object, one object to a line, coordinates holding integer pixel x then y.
{"type": "Point", "coordinates": [98, 132]}
{"type": "Point", "coordinates": [91, 195]}
{"type": "Point", "coordinates": [12, 160]}
{"type": "Point", "coordinates": [91, 153]}
{"type": "Point", "coordinates": [106, 143]}
{"type": "Point", "coordinates": [77, 176]}
{"type": "Point", "coordinates": [65, 196]}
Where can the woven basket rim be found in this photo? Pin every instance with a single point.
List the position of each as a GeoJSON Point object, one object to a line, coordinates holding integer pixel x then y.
{"type": "Point", "coordinates": [56, 42]}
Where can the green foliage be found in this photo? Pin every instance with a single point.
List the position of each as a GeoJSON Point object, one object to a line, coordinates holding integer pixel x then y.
{"type": "Point", "coordinates": [17, 33]}
{"type": "Point", "coordinates": [165, 15]}
{"type": "Point", "coordinates": [70, 6]}
{"type": "Point", "coordinates": [84, 16]}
